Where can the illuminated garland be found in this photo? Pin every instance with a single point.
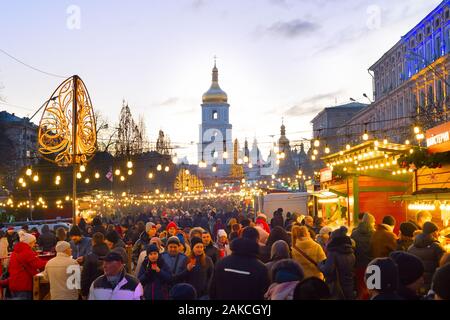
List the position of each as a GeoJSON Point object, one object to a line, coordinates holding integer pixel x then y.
{"type": "Point", "coordinates": [422, 158]}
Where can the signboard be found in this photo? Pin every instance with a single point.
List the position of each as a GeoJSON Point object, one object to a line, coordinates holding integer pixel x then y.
{"type": "Point", "coordinates": [438, 138]}
{"type": "Point", "coordinates": [326, 175]}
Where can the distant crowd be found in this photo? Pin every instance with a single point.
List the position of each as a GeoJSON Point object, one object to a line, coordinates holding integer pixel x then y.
{"type": "Point", "coordinates": [220, 254]}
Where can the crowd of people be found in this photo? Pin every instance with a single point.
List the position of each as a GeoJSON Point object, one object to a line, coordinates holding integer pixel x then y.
{"type": "Point", "coordinates": [218, 254]}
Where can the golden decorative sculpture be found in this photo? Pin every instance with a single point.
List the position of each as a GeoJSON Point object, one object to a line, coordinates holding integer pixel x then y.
{"type": "Point", "coordinates": [62, 140]}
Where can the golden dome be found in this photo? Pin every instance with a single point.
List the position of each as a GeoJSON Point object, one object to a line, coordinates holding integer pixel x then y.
{"type": "Point", "coordinates": [215, 94]}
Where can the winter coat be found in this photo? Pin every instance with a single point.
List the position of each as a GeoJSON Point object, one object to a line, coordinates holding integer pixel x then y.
{"type": "Point", "coordinates": [277, 220]}
{"type": "Point", "coordinates": [200, 276]}
{"type": "Point", "coordinates": [430, 252]}
{"type": "Point", "coordinates": [82, 248]}
{"type": "Point", "coordinates": [279, 251]}
{"type": "Point", "coordinates": [223, 247]}
{"type": "Point", "coordinates": [24, 264]}
{"type": "Point", "coordinates": [404, 244]}
{"type": "Point", "coordinates": [139, 246]}
{"type": "Point", "coordinates": [128, 288]}
{"type": "Point", "coordinates": [47, 240]}
{"type": "Point", "coordinates": [339, 265]}
{"type": "Point", "coordinates": [156, 284]}
{"type": "Point", "coordinates": [281, 291]}
{"type": "Point", "coordinates": [241, 276]}
{"type": "Point", "coordinates": [362, 235]}
{"type": "Point", "coordinates": [92, 267]}
{"type": "Point", "coordinates": [176, 265]}
{"type": "Point", "coordinates": [383, 242]}
{"type": "Point", "coordinates": [314, 251]}
{"type": "Point", "coordinates": [212, 252]}
{"type": "Point", "coordinates": [57, 273]}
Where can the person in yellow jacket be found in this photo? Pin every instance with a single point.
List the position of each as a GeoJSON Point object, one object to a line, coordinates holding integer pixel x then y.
{"type": "Point", "coordinates": [307, 252]}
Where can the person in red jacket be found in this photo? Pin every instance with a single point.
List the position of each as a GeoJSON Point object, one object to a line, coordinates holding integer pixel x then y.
{"type": "Point", "coordinates": [23, 266]}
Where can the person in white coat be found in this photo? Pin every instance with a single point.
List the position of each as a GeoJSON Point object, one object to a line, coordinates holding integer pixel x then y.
{"type": "Point", "coordinates": [115, 284]}
{"type": "Point", "coordinates": [62, 272]}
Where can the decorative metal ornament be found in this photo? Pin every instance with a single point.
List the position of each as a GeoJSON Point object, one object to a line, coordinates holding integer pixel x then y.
{"type": "Point", "coordinates": [67, 131]}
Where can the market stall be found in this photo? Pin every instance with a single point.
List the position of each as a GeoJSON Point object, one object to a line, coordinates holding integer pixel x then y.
{"type": "Point", "coordinates": [362, 178]}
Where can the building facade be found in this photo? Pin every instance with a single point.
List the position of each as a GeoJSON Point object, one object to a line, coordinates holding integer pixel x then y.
{"type": "Point", "coordinates": [411, 84]}
{"type": "Point", "coordinates": [329, 120]}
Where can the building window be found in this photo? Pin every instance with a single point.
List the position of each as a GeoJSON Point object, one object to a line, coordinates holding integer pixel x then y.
{"type": "Point", "coordinates": [215, 115]}
{"type": "Point", "coordinates": [447, 14]}
{"type": "Point", "coordinates": [430, 95]}
{"type": "Point", "coordinates": [437, 23]}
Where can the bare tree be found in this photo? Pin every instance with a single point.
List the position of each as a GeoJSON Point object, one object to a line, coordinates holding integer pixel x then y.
{"type": "Point", "coordinates": [129, 136]}
{"type": "Point", "coordinates": [163, 145]}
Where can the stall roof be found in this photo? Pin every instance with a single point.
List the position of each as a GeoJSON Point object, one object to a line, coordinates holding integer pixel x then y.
{"type": "Point", "coordinates": [329, 193]}
{"type": "Point", "coordinates": [424, 195]}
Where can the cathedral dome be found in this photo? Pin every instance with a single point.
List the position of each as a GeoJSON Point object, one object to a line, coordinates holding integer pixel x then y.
{"type": "Point", "coordinates": [215, 94]}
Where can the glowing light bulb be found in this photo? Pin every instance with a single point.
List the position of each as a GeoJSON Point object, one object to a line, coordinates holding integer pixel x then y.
{"type": "Point", "coordinates": [365, 136]}
{"type": "Point", "coordinates": [175, 159]}
{"type": "Point", "coordinates": [159, 167]}
{"type": "Point", "coordinates": [87, 181]}
{"type": "Point", "coordinates": [416, 130]}
{"type": "Point", "coordinates": [129, 164]}
{"type": "Point", "coordinates": [313, 157]}
{"type": "Point", "coordinates": [316, 143]}
{"type": "Point", "coordinates": [82, 168]}
{"type": "Point", "coordinates": [122, 178]}
{"type": "Point", "coordinates": [36, 178]}
{"type": "Point", "coordinates": [78, 175]}
{"type": "Point", "coordinates": [150, 175]}
{"type": "Point", "coordinates": [130, 172]}
{"type": "Point", "coordinates": [117, 172]}
{"type": "Point", "coordinates": [21, 180]}
{"type": "Point", "coordinates": [225, 155]}
{"type": "Point", "coordinates": [29, 172]}
{"type": "Point", "coordinates": [166, 169]}
{"type": "Point", "coordinates": [348, 147]}
{"type": "Point", "coordinates": [97, 175]}
{"type": "Point", "coordinates": [327, 150]}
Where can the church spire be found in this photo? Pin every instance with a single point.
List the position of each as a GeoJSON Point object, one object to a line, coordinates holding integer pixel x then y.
{"type": "Point", "coordinates": [215, 74]}
{"type": "Point", "coordinates": [215, 94]}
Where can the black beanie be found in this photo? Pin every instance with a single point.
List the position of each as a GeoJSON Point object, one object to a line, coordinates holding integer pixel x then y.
{"type": "Point", "coordinates": [407, 229]}
{"type": "Point", "coordinates": [410, 268]}
{"type": "Point", "coordinates": [152, 248]}
{"type": "Point", "coordinates": [183, 291]}
{"type": "Point", "coordinates": [389, 278]}
{"type": "Point", "coordinates": [75, 231]}
{"type": "Point", "coordinates": [112, 236]}
{"type": "Point", "coordinates": [194, 241]}
{"type": "Point", "coordinates": [429, 227]}
{"type": "Point", "coordinates": [389, 220]}
{"type": "Point", "coordinates": [441, 282]}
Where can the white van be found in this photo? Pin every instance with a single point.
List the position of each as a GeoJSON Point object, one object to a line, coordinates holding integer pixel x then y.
{"type": "Point", "coordinates": [289, 202]}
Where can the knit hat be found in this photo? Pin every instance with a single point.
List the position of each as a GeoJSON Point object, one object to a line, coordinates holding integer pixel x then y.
{"type": "Point", "coordinates": [407, 229]}
{"type": "Point", "coordinates": [410, 268]}
{"type": "Point", "coordinates": [62, 246]}
{"type": "Point", "coordinates": [194, 241]}
{"type": "Point", "coordinates": [113, 256]}
{"type": "Point", "coordinates": [262, 216]}
{"type": "Point", "coordinates": [441, 282]}
{"type": "Point", "coordinates": [173, 240]}
{"type": "Point", "coordinates": [389, 220]}
{"type": "Point", "coordinates": [171, 225]}
{"type": "Point", "coordinates": [75, 231]}
{"type": "Point", "coordinates": [112, 236]}
{"type": "Point", "coordinates": [183, 291]}
{"type": "Point", "coordinates": [149, 225]}
{"type": "Point", "coordinates": [429, 227]}
{"type": "Point", "coordinates": [287, 270]}
{"type": "Point", "coordinates": [340, 232]}
{"type": "Point", "coordinates": [221, 233]}
{"type": "Point", "coordinates": [389, 277]}
{"type": "Point", "coordinates": [152, 248]}
{"type": "Point", "coordinates": [26, 237]}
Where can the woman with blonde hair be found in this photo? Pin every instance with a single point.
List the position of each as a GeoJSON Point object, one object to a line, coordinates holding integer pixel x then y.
{"type": "Point", "coordinates": [307, 252]}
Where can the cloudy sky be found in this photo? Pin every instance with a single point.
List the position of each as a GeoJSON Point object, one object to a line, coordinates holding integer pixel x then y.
{"type": "Point", "coordinates": [276, 58]}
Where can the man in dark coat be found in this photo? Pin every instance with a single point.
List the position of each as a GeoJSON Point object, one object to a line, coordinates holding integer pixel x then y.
{"type": "Point", "coordinates": [47, 239]}
{"type": "Point", "coordinates": [427, 247]}
{"type": "Point", "coordinates": [277, 219]}
{"type": "Point", "coordinates": [338, 268]}
{"type": "Point", "coordinates": [210, 250]}
{"type": "Point", "coordinates": [241, 276]}
{"type": "Point", "coordinates": [410, 271]}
